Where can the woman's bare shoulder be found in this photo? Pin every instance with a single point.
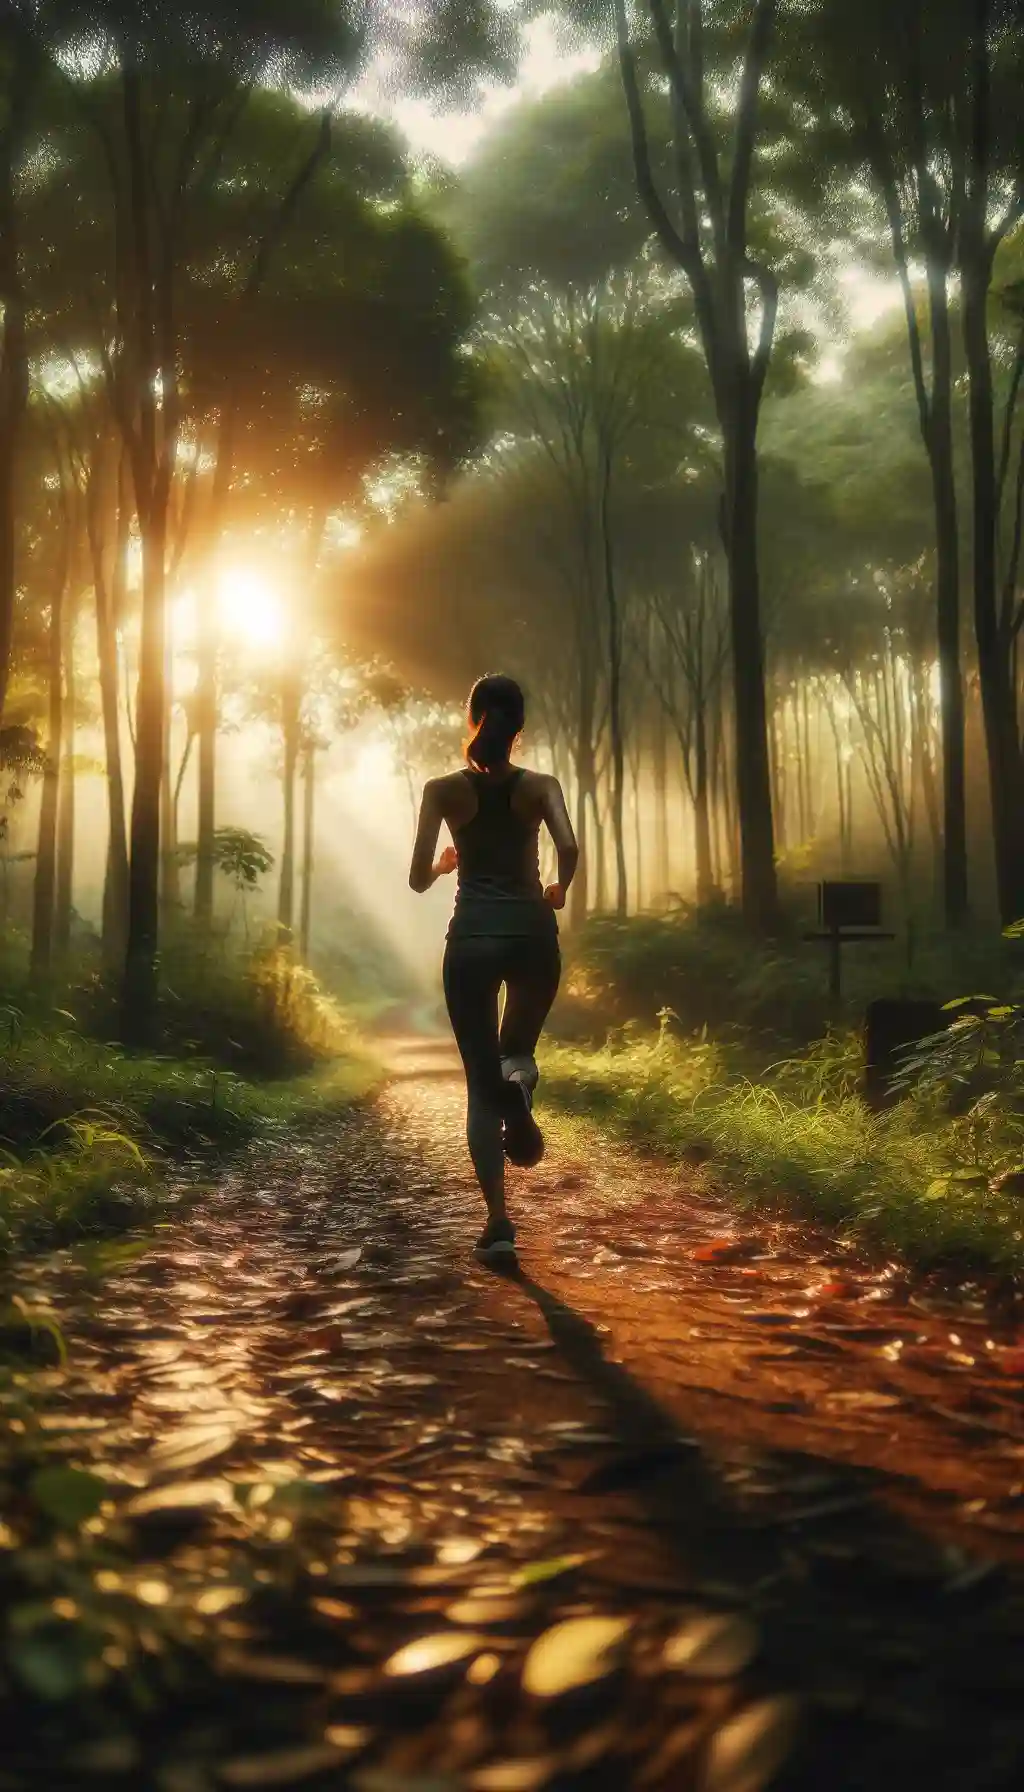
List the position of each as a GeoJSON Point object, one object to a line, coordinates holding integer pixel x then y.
{"type": "Point", "coordinates": [449, 781]}
{"type": "Point", "coordinates": [449, 791]}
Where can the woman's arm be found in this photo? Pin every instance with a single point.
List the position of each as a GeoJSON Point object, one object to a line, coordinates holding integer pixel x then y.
{"type": "Point", "coordinates": [560, 828]}
{"type": "Point", "coordinates": [423, 870]}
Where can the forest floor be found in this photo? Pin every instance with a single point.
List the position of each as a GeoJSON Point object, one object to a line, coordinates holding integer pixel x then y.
{"type": "Point", "coordinates": [348, 1482]}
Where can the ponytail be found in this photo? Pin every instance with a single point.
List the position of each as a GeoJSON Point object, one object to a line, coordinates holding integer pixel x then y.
{"type": "Point", "coordinates": [496, 715]}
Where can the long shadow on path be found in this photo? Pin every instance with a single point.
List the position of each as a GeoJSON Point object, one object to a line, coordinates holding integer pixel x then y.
{"type": "Point", "coordinates": [908, 1655]}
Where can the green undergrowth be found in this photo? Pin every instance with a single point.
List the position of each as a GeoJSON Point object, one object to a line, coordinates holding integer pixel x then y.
{"type": "Point", "coordinates": [703, 964]}
{"type": "Point", "coordinates": [91, 1134]}
{"type": "Point", "coordinates": [914, 1179]}
{"type": "Point", "coordinates": [88, 1132]}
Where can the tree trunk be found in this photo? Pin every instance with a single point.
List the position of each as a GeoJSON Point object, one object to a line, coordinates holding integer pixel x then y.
{"type": "Point", "coordinates": [600, 861]}
{"type": "Point", "coordinates": [939, 442]}
{"type": "Point", "coordinates": [290, 734]}
{"type": "Point", "coordinates": [308, 841]}
{"type": "Point", "coordinates": [729, 816]}
{"type": "Point", "coordinates": [924, 765]}
{"type": "Point", "coordinates": [584, 756]}
{"type": "Point", "coordinates": [618, 789]}
{"type": "Point", "coordinates": [701, 811]}
{"type": "Point", "coordinates": [170, 893]}
{"type": "Point", "coordinates": [638, 846]}
{"type": "Point", "coordinates": [64, 902]}
{"type": "Point", "coordinates": [777, 764]}
{"type": "Point", "coordinates": [206, 727]}
{"type": "Point", "coordinates": [707, 240]}
{"type": "Point", "coordinates": [998, 699]}
{"type": "Point", "coordinates": [715, 793]}
{"type": "Point", "coordinates": [107, 585]}
{"type": "Point", "coordinates": [810, 759]}
{"type": "Point", "coordinates": [662, 874]}
{"type": "Point", "coordinates": [140, 985]}
{"type": "Point", "coordinates": [14, 377]}
{"type": "Point", "coordinates": [152, 439]}
{"type": "Point", "coordinates": [758, 884]}
{"type": "Point", "coordinates": [45, 882]}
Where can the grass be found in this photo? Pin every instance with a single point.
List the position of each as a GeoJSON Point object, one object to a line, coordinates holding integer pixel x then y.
{"type": "Point", "coordinates": [910, 1179]}
{"type": "Point", "coordinates": [87, 1130]}
{"type": "Point", "coordinates": [251, 1043]}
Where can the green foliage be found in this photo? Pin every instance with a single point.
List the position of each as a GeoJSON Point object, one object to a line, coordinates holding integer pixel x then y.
{"type": "Point", "coordinates": [87, 1126]}
{"type": "Point", "coordinates": [981, 1050]}
{"type": "Point", "coordinates": [702, 964]}
{"type": "Point", "coordinates": [799, 1138]}
{"type": "Point", "coordinates": [251, 1011]}
{"type": "Point", "coordinates": [242, 856]}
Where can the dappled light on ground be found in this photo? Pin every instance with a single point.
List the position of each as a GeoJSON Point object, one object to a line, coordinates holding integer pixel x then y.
{"type": "Point", "coordinates": [662, 1507]}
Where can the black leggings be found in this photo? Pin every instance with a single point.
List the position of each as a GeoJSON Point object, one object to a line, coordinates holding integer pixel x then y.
{"type": "Point", "coordinates": [474, 971]}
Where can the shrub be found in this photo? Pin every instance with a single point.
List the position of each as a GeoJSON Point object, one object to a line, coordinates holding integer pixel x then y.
{"type": "Point", "coordinates": [703, 964]}
{"type": "Point", "coordinates": [798, 1136]}
{"type": "Point", "coordinates": [258, 1010]}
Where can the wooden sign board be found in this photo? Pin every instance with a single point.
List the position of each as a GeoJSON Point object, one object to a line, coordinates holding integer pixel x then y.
{"type": "Point", "coordinates": [842, 905]}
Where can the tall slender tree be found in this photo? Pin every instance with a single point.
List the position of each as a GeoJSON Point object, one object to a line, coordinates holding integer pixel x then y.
{"type": "Point", "coordinates": [705, 231]}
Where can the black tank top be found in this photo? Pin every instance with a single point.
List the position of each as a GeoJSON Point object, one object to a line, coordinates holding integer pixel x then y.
{"type": "Point", "coordinates": [499, 887]}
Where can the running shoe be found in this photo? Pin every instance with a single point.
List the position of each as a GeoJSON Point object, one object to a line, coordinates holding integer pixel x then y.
{"type": "Point", "coordinates": [522, 1137]}
{"type": "Point", "coordinates": [498, 1239]}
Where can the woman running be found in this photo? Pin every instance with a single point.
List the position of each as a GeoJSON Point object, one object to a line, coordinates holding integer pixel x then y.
{"type": "Point", "coordinates": [503, 931]}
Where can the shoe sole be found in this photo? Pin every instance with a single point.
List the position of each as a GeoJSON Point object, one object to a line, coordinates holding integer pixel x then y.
{"type": "Point", "coordinates": [523, 1140]}
{"type": "Point", "coordinates": [503, 1249]}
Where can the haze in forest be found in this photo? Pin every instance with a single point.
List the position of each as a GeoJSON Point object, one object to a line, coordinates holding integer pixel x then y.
{"type": "Point", "coordinates": [347, 357]}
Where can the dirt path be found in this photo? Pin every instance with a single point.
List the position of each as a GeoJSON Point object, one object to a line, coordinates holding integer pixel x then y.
{"type": "Point", "coordinates": [353, 1481]}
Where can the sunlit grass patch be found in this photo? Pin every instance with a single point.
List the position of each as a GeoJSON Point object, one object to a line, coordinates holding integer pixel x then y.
{"type": "Point", "coordinates": [88, 1131]}
{"type": "Point", "coordinates": [799, 1137]}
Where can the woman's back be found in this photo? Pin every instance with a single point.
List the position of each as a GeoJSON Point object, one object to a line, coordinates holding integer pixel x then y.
{"type": "Point", "coordinates": [495, 821]}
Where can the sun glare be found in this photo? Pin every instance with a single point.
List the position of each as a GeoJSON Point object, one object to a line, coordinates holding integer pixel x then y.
{"type": "Point", "coordinates": [373, 764]}
{"type": "Point", "coordinates": [250, 608]}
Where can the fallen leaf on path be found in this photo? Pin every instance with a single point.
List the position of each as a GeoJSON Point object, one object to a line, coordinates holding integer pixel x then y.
{"type": "Point", "coordinates": [537, 1572]}
{"type": "Point", "coordinates": [192, 1445]}
{"type": "Point", "coordinates": [493, 1612]}
{"type": "Point", "coordinates": [723, 1250]}
{"type": "Point", "coordinates": [573, 1654]}
{"type": "Point", "coordinates": [220, 1599]}
{"type": "Point", "coordinates": [746, 1753]}
{"type": "Point", "coordinates": [715, 1647]}
{"type": "Point", "coordinates": [433, 1654]}
{"type": "Point", "coordinates": [180, 1496]}
{"type": "Point", "coordinates": [344, 1260]}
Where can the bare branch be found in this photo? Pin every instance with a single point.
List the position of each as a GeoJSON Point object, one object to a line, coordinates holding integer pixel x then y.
{"type": "Point", "coordinates": [682, 250]}
{"type": "Point", "coordinates": [692, 104]}
{"type": "Point", "coordinates": [746, 122]}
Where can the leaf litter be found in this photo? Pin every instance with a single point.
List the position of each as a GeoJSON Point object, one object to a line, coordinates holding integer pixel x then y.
{"type": "Point", "coordinates": [411, 1610]}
